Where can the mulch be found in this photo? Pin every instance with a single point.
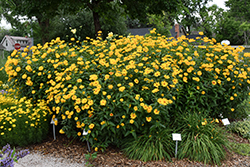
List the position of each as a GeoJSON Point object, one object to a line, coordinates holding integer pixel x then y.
{"type": "Point", "coordinates": [75, 150]}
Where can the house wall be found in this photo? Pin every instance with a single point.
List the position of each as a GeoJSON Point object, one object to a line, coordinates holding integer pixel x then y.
{"type": "Point", "coordinates": [6, 43]}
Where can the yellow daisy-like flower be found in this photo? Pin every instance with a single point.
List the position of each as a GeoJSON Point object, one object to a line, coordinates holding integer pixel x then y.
{"type": "Point", "coordinates": [148, 119]}
{"type": "Point", "coordinates": [91, 126]}
{"type": "Point", "coordinates": [214, 82]}
{"type": "Point", "coordinates": [133, 116]}
{"type": "Point", "coordinates": [131, 121]}
{"type": "Point", "coordinates": [103, 102]}
{"type": "Point", "coordinates": [121, 89]}
{"type": "Point", "coordinates": [156, 111]}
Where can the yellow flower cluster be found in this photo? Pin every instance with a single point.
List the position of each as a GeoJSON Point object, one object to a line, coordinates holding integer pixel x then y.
{"type": "Point", "coordinates": [125, 82]}
{"type": "Point", "coordinates": [14, 109]}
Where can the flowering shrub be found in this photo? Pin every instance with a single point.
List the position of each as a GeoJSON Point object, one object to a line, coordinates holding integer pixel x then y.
{"type": "Point", "coordinates": [123, 87]}
{"type": "Point", "coordinates": [21, 122]}
{"type": "Point", "coordinates": [9, 156]}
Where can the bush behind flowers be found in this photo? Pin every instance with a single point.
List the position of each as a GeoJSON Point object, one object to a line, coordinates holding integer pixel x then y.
{"type": "Point", "coordinates": [123, 87]}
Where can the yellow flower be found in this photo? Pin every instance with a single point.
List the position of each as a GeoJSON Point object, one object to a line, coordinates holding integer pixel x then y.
{"type": "Point", "coordinates": [110, 86]}
{"type": "Point", "coordinates": [203, 92]}
{"type": "Point", "coordinates": [96, 149]}
{"type": "Point", "coordinates": [201, 33]}
{"type": "Point", "coordinates": [232, 109]}
{"type": "Point", "coordinates": [122, 124]}
{"type": "Point", "coordinates": [123, 116]}
{"type": "Point", "coordinates": [131, 121]}
{"type": "Point", "coordinates": [231, 98]}
{"type": "Point", "coordinates": [79, 134]}
{"type": "Point", "coordinates": [156, 111]}
{"type": "Point", "coordinates": [133, 116]}
{"type": "Point", "coordinates": [216, 120]}
{"type": "Point", "coordinates": [148, 119]}
{"type": "Point", "coordinates": [91, 126]}
{"type": "Point", "coordinates": [136, 81]}
{"type": "Point", "coordinates": [103, 102]}
{"type": "Point", "coordinates": [121, 89]}
{"type": "Point", "coordinates": [214, 82]}
{"type": "Point", "coordinates": [103, 122]}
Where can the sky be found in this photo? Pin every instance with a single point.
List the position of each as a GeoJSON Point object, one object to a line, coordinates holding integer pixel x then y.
{"type": "Point", "coordinates": [220, 3]}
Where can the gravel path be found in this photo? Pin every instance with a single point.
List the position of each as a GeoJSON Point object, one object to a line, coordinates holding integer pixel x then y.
{"type": "Point", "coordinates": [39, 160]}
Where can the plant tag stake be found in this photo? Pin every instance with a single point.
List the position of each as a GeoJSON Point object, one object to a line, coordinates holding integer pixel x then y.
{"type": "Point", "coordinates": [176, 138]}
{"type": "Point", "coordinates": [84, 133]}
{"type": "Point", "coordinates": [53, 122]}
{"type": "Point", "coordinates": [225, 121]}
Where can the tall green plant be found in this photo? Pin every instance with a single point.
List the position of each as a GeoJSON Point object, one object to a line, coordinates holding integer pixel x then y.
{"type": "Point", "coordinates": [157, 145]}
{"type": "Point", "coordinates": [202, 139]}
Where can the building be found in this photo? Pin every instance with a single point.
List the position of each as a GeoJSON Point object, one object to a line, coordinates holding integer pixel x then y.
{"type": "Point", "coordinates": [9, 41]}
{"type": "Point", "coordinates": [177, 31]}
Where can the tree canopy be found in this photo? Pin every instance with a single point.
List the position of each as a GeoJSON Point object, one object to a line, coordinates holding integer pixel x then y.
{"type": "Point", "coordinates": [44, 10]}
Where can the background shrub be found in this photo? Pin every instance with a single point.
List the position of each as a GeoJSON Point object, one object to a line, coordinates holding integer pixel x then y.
{"type": "Point", "coordinates": [118, 88]}
{"type": "Point", "coordinates": [3, 75]}
{"type": "Point", "coordinates": [242, 128]}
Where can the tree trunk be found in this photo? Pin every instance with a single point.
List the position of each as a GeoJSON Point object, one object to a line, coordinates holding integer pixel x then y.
{"type": "Point", "coordinates": [96, 22]}
{"type": "Point", "coordinates": [44, 25]}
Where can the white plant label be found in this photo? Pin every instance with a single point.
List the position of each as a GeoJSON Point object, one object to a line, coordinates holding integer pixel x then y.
{"type": "Point", "coordinates": [176, 136]}
{"type": "Point", "coordinates": [225, 121]}
{"type": "Point", "coordinates": [84, 133]}
{"type": "Point", "coordinates": [52, 121]}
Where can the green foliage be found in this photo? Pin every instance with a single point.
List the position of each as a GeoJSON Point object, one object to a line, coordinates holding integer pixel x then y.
{"type": "Point", "coordinates": [202, 139]}
{"type": "Point", "coordinates": [242, 110]}
{"type": "Point", "coordinates": [157, 145]}
{"type": "Point", "coordinates": [242, 128]}
{"type": "Point", "coordinates": [62, 25]}
{"type": "Point", "coordinates": [90, 157]}
{"type": "Point", "coordinates": [228, 28]}
{"type": "Point", "coordinates": [22, 123]}
{"type": "Point", "coordinates": [241, 148]}
{"type": "Point", "coordinates": [3, 75]}
{"type": "Point", "coordinates": [161, 23]}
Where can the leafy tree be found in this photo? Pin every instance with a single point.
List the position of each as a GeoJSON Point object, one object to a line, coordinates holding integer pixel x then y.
{"type": "Point", "coordinates": [62, 25]}
{"type": "Point", "coordinates": [44, 10]}
{"type": "Point", "coordinates": [28, 9]}
{"type": "Point", "coordinates": [193, 13]}
{"type": "Point", "coordinates": [245, 30]}
{"type": "Point", "coordinates": [239, 10]}
{"type": "Point", "coordinates": [228, 28]}
{"type": "Point", "coordinates": [161, 23]}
